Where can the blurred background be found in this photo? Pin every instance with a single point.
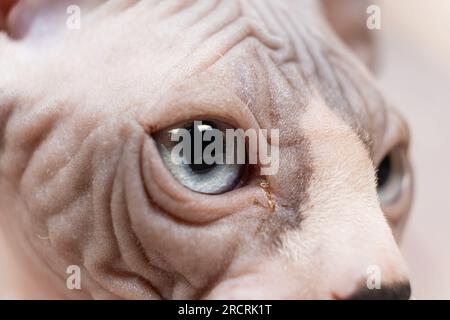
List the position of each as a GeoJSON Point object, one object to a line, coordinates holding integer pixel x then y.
{"type": "Point", "coordinates": [414, 73]}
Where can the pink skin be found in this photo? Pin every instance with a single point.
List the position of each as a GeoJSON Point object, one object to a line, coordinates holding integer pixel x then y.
{"type": "Point", "coordinates": [82, 182]}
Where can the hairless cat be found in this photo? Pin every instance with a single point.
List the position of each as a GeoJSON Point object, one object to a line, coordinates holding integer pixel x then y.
{"type": "Point", "coordinates": [85, 182]}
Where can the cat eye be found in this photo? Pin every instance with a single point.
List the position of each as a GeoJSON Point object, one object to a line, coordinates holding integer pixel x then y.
{"type": "Point", "coordinates": [195, 154]}
{"type": "Point", "coordinates": [390, 176]}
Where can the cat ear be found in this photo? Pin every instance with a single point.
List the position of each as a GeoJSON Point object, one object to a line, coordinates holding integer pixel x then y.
{"type": "Point", "coordinates": [6, 5]}
{"type": "Point", "coordinates": [31, 17]}
{"type": "Point", "coordinates": [5, 8]}
{"type": "Point", "coordinates": [348, 18]}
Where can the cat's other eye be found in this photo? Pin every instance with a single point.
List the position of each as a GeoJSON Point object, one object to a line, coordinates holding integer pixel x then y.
{"type": "Point", "coordinates": [390, 176]}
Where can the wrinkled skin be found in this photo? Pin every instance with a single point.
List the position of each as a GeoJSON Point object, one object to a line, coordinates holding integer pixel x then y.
{"type": "Point", "coordinates": [82, 182]}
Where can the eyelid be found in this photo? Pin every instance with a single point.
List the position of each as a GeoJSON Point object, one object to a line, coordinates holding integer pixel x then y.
{"type": "Point", "coordinates": [185, 204]}
{"type": "Point", "coordinates": [180, 106]}
{"type": "Point", "coordinates": [396, 135]}
{"type": "Point", "coordinates": [397, 210]}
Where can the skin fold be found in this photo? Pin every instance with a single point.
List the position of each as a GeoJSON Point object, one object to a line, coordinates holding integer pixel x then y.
{"type": "Point", "coordinates": [82, 182]}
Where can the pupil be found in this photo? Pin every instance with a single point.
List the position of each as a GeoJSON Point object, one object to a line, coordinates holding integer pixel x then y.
{"type": "Point", "coordinates": [384, 170]}
{"type": "Point", "coordinates": [200, 167]}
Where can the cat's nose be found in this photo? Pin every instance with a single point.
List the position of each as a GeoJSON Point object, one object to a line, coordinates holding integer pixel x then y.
{"type": "Point", "coordinates": [395, 291]}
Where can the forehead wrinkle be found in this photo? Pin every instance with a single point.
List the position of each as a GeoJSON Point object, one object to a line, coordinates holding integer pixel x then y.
{"type": "Point", "coordinates": [269, 89]}
{"type": "Point", "coordinates": [300, 58]}
{"type": "Point", "coordinates": [322, 64]}
{"type": "Point", "coordinates": [336, 87]}
{"type": "Point", "coordinates": [358, 100]}
{"type": "Point", "coordinates": [369, 111]}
